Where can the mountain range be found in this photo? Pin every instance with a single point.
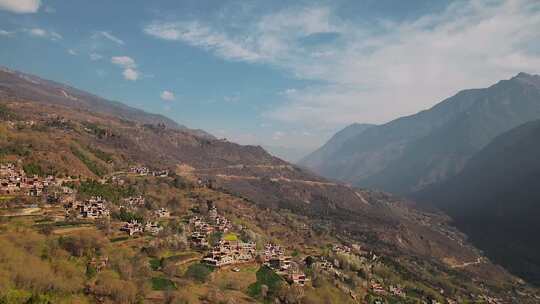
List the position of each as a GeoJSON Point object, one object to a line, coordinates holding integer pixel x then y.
{"type": "Point", "coordinates": [318, 158]}
{"type": "Point", "coordinates": [473, 156]}
{"type": "Point", "coordinates": [92, 124]}
{"type": "Point", "coordinates": [407, 154]}
{"type": "Point", "coordinates": [52, 129]}
{"type": "Point", "coordinates": [494, 199]}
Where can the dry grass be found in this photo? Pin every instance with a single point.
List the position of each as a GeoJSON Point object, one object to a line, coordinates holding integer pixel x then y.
{"type": "Point", "coordinates": [73, 230]}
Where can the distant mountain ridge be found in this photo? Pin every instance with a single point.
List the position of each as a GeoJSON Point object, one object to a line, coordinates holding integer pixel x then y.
{"type": "Point", "coordinates": [495, 199]}
{"type": "Point", "coordinates": [317, 158]}
{"type": "Point", "coordinates": [20, 85]}
{"type": "Point", "coordinates": [412, 152]}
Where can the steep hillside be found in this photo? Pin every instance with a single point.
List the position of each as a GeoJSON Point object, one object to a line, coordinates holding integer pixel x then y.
{"type": "Point", "coordinates": [59, 141]}
{"type": "Point", "coordinates": [495, 199]}
{"type": "Point", "coordinates": [95, 148]}
{"type": "Point", "coordinates": [409, 153]}
{"type": "Point", "coordinates": [289, 154]}
{"type": "Point", "coordinates": [17, 85]}
{"type": "Point", "coordinates": [317, 158]}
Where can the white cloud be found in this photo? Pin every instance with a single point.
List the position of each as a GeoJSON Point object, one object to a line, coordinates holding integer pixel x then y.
{"type": "Point", "coordinates": [37, 32]}
{"type": "Point", "coordinates": [20, 6]}
{"type": "Point", "coordinates": [202, 36]}
{"type": "Point", "coordinates": [6, 33]}
{"type": "Point", "coordinates": [72, 52]}
{"type": "Point", "coordinates": [378, 71]}
{"type": "Point", "coordinates": [277, 135]}
{"type": "Point", "coordinates": [167, 96]}
{"type": "Point", "coordinates": [412, 65]}
{"type": "Point", "coordinates": [232, 98]}
{"type": "Point", "coordinates": [288, 92]}
{"type": "Point", "coordinates": [95, 56]}
{"type": "Point", "coordinates": [124, 61]}
{"type": "Point", "coordinates": [107, 35]}
{"type": "Point", "coordinates": [128, 64]}
{"type": "Point", "coordinates": [371, 70]}
{"type": "Point", "coordinates": [42, 33]}
{"type": "Point", "coordinates": [270, 39]}
{"type": "Point", "coordinates": [130, 74]}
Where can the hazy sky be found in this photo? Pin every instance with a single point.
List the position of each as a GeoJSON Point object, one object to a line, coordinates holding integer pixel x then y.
{"type": "Point", "coordinates": [278, 73]}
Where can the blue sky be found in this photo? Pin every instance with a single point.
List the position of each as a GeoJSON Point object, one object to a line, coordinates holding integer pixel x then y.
{"type": "Point", "coordinates": [277, 73]}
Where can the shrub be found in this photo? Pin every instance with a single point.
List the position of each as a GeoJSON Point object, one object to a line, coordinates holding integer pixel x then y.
{"type": "Point", "coordinates": [6, 113]}
{"type": "Point", "coordinates": [159, 283]}
{"type": "Point", "coordinates": [110, 192]}
{"type": "Point", "coordinates": [127, 216]}
{"type": "Point", "coordinates": [155, 263]}
{"type": "Point", "coordinates": [104, 156]}
{"type": "Point", "coordinates": [15, 149]}
{"type": "Point", "coordinates": [85, 243]}
{"type": "Point", "coordinates": [267, 277]}
{"type": "Point", "coordinates": [199, 272]}
{"type": "Point", "coordinates": [95, 129]}
{"type": "Point", "coordinates": [110, 285]}
{"type": "Point", "coordinates": [90, 164]}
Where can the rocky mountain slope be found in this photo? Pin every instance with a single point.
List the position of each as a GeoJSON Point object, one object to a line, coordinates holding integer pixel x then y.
{"type": "Point", "coordinates": [56, 138]}
{"type": "Point", "coordinates": [409, 153]}
{"type": "Point", "coordinates": [495, 199]}
{"type": "Point", "coordinates": [15, 84]}
{"type": "Point", "coordinates": [61, 141]}
{"type": "Point", "coordinates": [317, 158]}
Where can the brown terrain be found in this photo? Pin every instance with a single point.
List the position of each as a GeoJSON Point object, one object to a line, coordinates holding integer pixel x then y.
{"type": "Point", "coordinates": [68, 132]}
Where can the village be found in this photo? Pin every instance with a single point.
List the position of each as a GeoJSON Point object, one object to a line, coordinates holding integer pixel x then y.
{"type": "Point", "coordinates": [226, 252]}
{"type": "Point", "coordinates": [229, 250]}
{"type": "Point", "coordinates": [14, 180]}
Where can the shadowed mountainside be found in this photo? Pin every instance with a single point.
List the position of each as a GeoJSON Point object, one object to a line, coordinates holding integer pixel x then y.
{"type": "Point", "coordinates": [409, 153]}
{"type": "Point", "coordinates": [317, 158]}
{"type": "Point", "coordinates": [495, 199]}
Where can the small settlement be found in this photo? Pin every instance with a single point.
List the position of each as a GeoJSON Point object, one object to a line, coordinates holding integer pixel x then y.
{"type": "Point", "coordinates": [225, 251]}
{"type": "Point", "coordinates": [14, 180]}
{"type": "Point", "coordinates": [232, 251]}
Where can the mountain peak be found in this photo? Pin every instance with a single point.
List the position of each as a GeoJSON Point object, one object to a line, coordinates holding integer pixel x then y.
{"type": "Point", "coordinates": [526, 76]}
{"type": "Point", "coordinates": [528, 79]}
{"type": "Point", "coordinates": [523, 75]}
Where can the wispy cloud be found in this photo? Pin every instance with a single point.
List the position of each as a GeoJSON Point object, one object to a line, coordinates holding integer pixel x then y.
{"type": "Point", "coordinates": [277, 135]}
{"type": "Point", "coordinates": [378, 72]}
{"type": "Point", "coordinates": [35, 32]}
{"type": "Point", "coordinates": [109, 36]}
{"type": "Point", "coordinates": [72, 52]}
{"type": "Point", "coordinates": [42, 33]}
{"type": "Point", "coordinates": [20, 6]}
{"type": "Point", "coordinates": [130, 71]}
{"type": "Point", "coordinates": [124, 61]}
{"type": "Point", "coordinates": [6, 33]}
{"type": "Point", "coordinates": [167, 96]}
{"type": "Point", "coordinates": [202, 36]}
{"type": "Point", "coordinates": [270, 39]}
{"type": "Point", "coordinates": [95, 56]}
{"type": "Point", "coordinates": [232, 98]}
{"type": "Point", "coordinates": [414, 64]}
